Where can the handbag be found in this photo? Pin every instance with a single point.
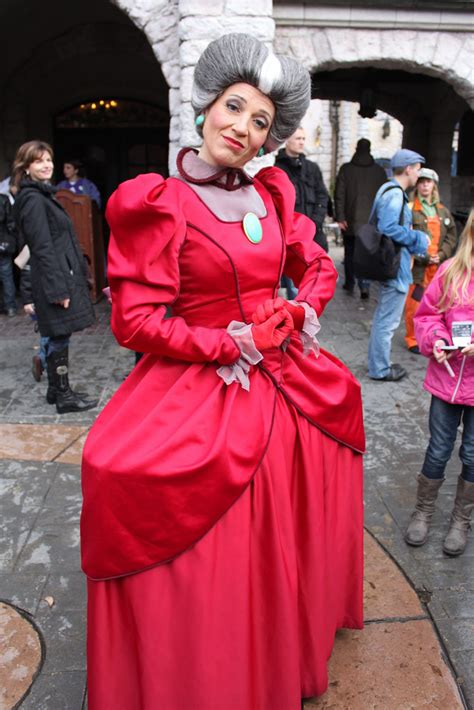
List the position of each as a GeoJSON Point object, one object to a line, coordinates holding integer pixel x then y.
{"type": "Point", "coordinates": [376, 256]}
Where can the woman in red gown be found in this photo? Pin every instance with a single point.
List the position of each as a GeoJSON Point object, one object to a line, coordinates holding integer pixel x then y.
{"type": "Point", "coordinates": [222, 518]}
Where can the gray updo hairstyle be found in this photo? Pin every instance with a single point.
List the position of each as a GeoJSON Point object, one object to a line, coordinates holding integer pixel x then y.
{"type": "Point", "coordinates": [237, 57]}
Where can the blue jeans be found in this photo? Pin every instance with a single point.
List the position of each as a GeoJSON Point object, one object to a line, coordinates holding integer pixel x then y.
{"type": "Point", "coordinates": [291, 290]}
{"type": "Point", "coordinates": [44, 341]}
{"type": "Point", "coordinates": [6, 276]}
{"type": "Point", "coordinates": [386, 320]}
{"type": "Point", "coordinates": [444, 421]}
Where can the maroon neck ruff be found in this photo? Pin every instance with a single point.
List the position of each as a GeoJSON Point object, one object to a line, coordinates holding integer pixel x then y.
{"type": "Point", "coordinates": [198, 172]}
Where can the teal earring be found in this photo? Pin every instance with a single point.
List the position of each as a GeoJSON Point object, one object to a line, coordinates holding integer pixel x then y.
{"type": "Point", "coordinates": [261, 152]}
{"type": "Point", "coordinates": [199, 120]}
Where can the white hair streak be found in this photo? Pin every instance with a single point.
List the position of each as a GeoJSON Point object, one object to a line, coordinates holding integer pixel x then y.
{"type": "Point", "coordinates": [270, 73]}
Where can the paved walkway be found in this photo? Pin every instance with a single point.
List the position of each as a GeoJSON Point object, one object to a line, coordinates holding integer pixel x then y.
{"type": "Point", "coordinates": [401, 660]}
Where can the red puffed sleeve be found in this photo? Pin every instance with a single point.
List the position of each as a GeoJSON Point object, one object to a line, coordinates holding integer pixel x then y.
{"type": "Point", "coordinates": [307, 263]}
{"type": "Point", "coordinates": [148, 231]}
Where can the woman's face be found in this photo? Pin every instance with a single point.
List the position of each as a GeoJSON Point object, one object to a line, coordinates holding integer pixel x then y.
{"type": "Point", "coordinates": [425, 188]}
{"type": "Point", "coordinates": [70, 172]}
{"type": "Point", "coordinates": [41, 169]}
{"type": "Point", "coordinates": [236, 126]}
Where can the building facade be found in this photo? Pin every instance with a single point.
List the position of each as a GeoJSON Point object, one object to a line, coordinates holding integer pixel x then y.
{"type": "Point", "coordinates": [410, 61]}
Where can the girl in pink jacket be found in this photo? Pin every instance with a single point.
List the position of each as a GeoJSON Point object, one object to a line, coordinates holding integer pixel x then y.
{"type": "Point", "coordinates": [444, 331]}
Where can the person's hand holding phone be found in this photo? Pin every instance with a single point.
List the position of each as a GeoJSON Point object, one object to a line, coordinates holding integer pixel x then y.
{"type": "Point", "coordinates": [468, 350]}
{"type": "Point", "coordinates": [439, 353]}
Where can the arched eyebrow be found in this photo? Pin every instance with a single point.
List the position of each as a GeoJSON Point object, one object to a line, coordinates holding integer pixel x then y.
{"type": "Point", "coordinates": [237, 96]}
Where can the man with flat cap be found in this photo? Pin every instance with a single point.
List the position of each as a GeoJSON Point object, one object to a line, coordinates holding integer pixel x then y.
{"type": "Point", "coordinates": [386, 211]}
{"type": "Point", "coordinates": [356, 185]}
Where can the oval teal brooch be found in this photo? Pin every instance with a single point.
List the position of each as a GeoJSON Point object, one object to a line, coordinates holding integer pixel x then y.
{"type": "Point", "coordinates": [252, 228]}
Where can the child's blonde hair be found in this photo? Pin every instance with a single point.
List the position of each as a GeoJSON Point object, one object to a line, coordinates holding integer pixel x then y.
{"type": "Point", "coordinates": [457, 276]}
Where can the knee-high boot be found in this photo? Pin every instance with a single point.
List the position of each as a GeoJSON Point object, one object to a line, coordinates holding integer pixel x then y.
{"type": "Point", "coordinates": [59, 389]}
{"type": "Point", "coordinates": [456, 539]}
{"type": "Point", "coordinates": [427, 492]}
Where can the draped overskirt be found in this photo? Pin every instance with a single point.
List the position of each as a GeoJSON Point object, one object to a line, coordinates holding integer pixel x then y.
{"type": "Point", "coordinates": [246, 618]}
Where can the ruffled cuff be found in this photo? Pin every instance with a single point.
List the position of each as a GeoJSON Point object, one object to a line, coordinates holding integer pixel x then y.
{"type": "Point", "coordinates": [311, 328]}
{"type": "Point", "coordinates": [241, 334]}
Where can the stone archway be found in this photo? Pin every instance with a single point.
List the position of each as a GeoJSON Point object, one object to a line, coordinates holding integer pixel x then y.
{"type": "Point", "coordinates": [65, 56]}
{"type": "Point", "coordinates": [431, 70]}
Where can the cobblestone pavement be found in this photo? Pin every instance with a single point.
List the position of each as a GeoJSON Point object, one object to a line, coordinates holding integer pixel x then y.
{"type": "Point", "coordinates": [40, 502]}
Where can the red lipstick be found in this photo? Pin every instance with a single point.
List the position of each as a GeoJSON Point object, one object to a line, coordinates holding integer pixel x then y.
{"type": "Point", "coordinates": [236, 145]}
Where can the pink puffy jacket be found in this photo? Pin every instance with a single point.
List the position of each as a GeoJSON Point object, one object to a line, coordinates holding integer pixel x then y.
{"type": "Point", "coordinates": [431, 325]}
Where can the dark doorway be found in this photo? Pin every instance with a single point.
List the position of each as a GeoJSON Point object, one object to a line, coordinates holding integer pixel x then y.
{"type": "Point", "coordinates": [115, 140]}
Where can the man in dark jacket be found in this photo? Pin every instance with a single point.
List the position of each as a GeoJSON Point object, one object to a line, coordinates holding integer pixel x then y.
{"type": "Point", "coordinates": [311, 194]}
{"type": "Point", "coordinates": [356, 185]}
{"type": "Point", "coordinates": [8, 239]}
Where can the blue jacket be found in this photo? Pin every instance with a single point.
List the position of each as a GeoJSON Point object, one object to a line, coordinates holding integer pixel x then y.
{"type": "Point", "coordinates": [82, 186]}
{"type": "Point", "coordinates": [387, 208]}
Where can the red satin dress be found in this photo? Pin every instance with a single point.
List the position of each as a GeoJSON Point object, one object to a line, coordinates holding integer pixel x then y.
{"type": "Point", "coordinates": [221, 528]}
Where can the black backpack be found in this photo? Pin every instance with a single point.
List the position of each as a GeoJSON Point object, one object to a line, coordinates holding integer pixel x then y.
{"type": "Point", "coordinates": [376, 256]}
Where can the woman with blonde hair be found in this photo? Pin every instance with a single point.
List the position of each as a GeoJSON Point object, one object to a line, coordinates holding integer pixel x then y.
{"type": "Point", "coordinates": [444, 330]}
{"type": "Point", "coordinates": [433, 218]}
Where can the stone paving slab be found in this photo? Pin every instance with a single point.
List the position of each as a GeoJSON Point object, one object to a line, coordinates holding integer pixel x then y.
{"type": "Point", "coordinates": [36, 442]}
{"type": "Point", "coordinates": [389, 666]}
{"type": "Point", "coordinates": [20, 656]}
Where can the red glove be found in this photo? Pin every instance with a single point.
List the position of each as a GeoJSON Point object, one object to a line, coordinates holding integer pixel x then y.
{"type": "Point", "coordinates": [273, 305]}
{"type": "Point", "coordinates": [273, 331]}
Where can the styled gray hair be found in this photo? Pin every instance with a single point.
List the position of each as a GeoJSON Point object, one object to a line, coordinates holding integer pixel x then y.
{"type": "Point", "coordinates": [237, 57]}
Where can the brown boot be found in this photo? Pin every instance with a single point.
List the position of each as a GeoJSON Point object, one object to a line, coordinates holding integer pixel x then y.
{"type": "Point", "coordinates": [417, 530]}
{"type": "Point", "coordinates": [37, 368]}
{"type": "Point", "coordinates": [456, 539]}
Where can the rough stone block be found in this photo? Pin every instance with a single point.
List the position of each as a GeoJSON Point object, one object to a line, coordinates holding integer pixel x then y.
{"type": "Point", "coordinates": [141, 11]}
{"type": "Point", "coordinates": [322, 48]}
{"type": "Point", "coordinates": [212, 27]}
{"type": "Point", "coordinates": [202, 7]}
{"type": "Point", "coordinates": [282, 42]}
{"type": "Point", "coordinates": [186, 84]}
{"type": "Point", "coordinates": [301, 48]}
{"type": "Point", "coordinates": [161, 27]}
{"type": "Point", "coordinates": [175, 127]}
{"type": "Point", "coordinates": [171, 72]}
{"type": "Point", "coordinates": [174, 149]}
{"type": "Point", "coordinates": [369, 45]}
{"type": "Point", "coordinates": [426, 46]}
{"type": "Point", "coordinates": [249, 7]}
{"type": "Point", "coordinates": [174, 100]}
{"type": "Point", "coordinates": [345, 45]}
{"type": "Point", "coordinates": [189, 136]}
{"type": "Point", "coordinates": [191, 50]}
{"type": "Point", "coordinates": [449, 47]}
{"type": "Point", "coordinates": [167, 49]}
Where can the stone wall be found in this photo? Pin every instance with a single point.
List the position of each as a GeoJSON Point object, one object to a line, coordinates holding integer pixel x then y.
{"type": "Point", "coordinates": [446, 55]}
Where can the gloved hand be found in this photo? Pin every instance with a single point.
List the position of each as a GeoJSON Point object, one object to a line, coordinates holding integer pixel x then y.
{"type": "Point", "coordinates": [273, 305]}
{"type": "Point", "coordinates": [273, 331]}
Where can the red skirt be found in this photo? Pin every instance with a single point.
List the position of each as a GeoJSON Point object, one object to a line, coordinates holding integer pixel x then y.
{"type": "Point", "coordinates": [244, 620]}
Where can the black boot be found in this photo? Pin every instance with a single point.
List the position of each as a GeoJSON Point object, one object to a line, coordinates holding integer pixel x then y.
{"type": "Point", "coordinates": [66, 399]}
{"type": "Point", "coordinates": [51, 391]}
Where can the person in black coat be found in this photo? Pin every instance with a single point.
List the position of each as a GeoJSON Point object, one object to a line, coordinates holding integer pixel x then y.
{"type": "Point", "coordinates": [356, 186]}
{"type": "Point", "coordinates": [311, 194]}
{"type": "Point", "coordinates": [60, 294]}
{"type": "Point", "coordinates": [8, 246]}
